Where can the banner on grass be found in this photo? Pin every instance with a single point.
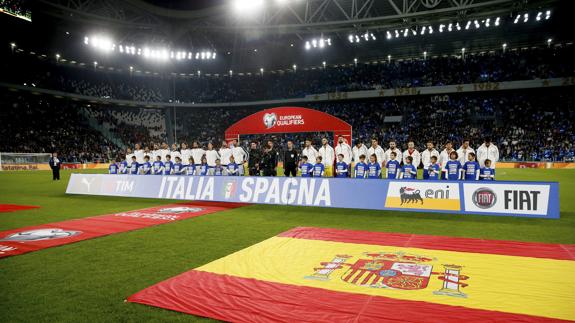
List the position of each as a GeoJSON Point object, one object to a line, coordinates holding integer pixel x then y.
{"type": "Point", "coordinates": [525, 199]}
{"type": "Point", "coordinates": [329, 275]}
{"type": "Point", "coordinates": [28, 239]}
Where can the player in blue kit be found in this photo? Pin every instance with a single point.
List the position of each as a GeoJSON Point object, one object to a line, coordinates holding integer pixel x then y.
{"type": "Point", "coordinates": [114, 167]}
{"type": "Point", "coordinates": [408, 171]}
{"type": "Point", "coordinates": [178, 168]}
{"type": "Point", "coordinates": [361, 168]}
{"type": "Point", "coordinates": [305, 167]}
{"type": "Point", "coordinates": [145, 167]}
{"type": "Point", "coordinates": [318, 168]}
{"type": "Point", "coordinates": [190, 168]}
{"type": "Point", "coordinates": [392, 167]}
{"type": "Point", "coordinates": [158, 166]}
{"type": "Point", "coordinates": [433, 171]}
{"type": "Point", "coordinates": [134, 166]}
{"type": "Point", "coordinates": [341, 168]}
{"type": "Point", "coordinates": [168, 165]}
{"type": "Point", "coordinates": [487, 173]}
{"type": "Point", "coordinates": [373, 168]}
{"type": "Point", "coordinates": [452, 168]}
{"type": "Point", "coordinates": [233, 169]}
{"type": "Point", "coordinates": [218, 170]}
{"type": "Point", "coordinates": [123, 167]}
{"type": "Point", "coordinates": [204, 168]}
{"type": "Point", "coordinates": [471, 168]}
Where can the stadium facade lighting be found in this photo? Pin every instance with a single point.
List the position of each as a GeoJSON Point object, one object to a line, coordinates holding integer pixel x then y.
{"type": "Point", "coordinates": [294, 66]}
{"type": "Point", "coordinates": [317, 43]}
{"type": "Point", "coordinates": [57, 57]}
{"type": "Point", "coordinates": [355, 61]}
{"type": "Point", "coordinates": [262, 71]}
{"type": "Point", "coordinates": [323, 64]}
{"type": "Point", "coordinates": [105, 44]}
{"type": "Point", "coordinates": [231, 73]}
{"type": "Point", "coordinates": [367, 36]}
{"type": "Point", "coordinates": [547, 14]}
{"type": "Point", "coordinates": [549, 41]}
{"type": "Point", "coordinates": [425, 55]}
{"type": "Point", "coordinates": [504, 46]}
{"type": "Point", "coordinates": [389, 58]}
{"type": "Point", "coordinates": [12, 45]}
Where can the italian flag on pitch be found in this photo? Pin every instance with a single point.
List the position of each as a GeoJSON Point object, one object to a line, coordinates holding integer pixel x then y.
{"type": "Point", "coordinates": [327, 275]}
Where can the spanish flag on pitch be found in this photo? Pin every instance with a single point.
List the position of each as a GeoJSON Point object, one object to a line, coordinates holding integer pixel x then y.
{"type": "Point", "coordinates": [327, 275]}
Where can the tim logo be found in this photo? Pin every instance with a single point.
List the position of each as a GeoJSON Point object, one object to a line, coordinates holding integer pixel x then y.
{"type": "Point", "coordinates": [409, 195]}
{"type": "Point", "coordinates": [124, 186]}
{"type": "Point", "coordinates": [40, 234]}
{"type": "Point", "coordinates": [230, 190]}
{"type": "Point", "coordinates": [484, 198]}
{"type": "Point", "coordinates": [270, 120]}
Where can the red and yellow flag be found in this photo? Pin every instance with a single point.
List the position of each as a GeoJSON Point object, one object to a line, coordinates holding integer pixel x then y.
{"type": "Point", "coordinates": [326, 275]}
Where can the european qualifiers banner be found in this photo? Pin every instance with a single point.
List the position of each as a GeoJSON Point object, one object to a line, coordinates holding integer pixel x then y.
{"type": "Point", "coordinates": [521, 199]}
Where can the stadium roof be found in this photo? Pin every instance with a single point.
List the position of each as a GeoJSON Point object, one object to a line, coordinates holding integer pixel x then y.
{"type": "Point", "coordinates": [273, 35]}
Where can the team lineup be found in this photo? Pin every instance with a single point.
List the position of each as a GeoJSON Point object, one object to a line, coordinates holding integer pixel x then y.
{"type": "Point", "coordinates": [342, 162]}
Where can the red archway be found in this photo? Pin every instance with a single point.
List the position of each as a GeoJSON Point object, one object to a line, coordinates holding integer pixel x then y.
{"type": "Point", "coordinates": [289, 120]}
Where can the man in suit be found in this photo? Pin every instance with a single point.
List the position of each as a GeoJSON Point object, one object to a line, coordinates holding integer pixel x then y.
{"type": "Point", "coordinates": [55, 165]}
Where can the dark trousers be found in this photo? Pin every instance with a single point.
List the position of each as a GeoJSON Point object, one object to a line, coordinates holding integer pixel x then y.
{"type": "Point", "coordinates": [269, 172]}
{"type": "Point", "coordinates": [254, 171]}
{"type": "Point", "coordinates": [290, 170]}
{"type": "Point", "coordinates": [55, 174]}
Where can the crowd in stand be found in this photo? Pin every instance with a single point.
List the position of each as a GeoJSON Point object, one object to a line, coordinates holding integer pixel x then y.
{"type": "Point", "coordinates": [521, 64]}
{"type": "Point", "coordinates": [131, 126]}
{"type": "Point", "coordinates": [42, 125]}
{"type": "Point", "coordinates": [525, 125]}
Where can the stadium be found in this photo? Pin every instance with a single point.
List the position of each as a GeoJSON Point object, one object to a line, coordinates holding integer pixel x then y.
{"type": "Point", "coordinates": [287, 161]}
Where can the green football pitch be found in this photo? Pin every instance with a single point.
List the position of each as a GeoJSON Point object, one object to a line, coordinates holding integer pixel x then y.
{"type": "Point", "coordinates": [89, 280]}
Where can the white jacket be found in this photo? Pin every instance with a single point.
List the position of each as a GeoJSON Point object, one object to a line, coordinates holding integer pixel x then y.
{"type": "Point", "coordinates": [484, 152]}
{"type": "Point", "coordinates": [444, 157]}
{"type": "Point", "coordinates": [239, 155]}
{"type": "Point", "coordinates": [362, 150]}
{"type": "Point", "coordinates": [211, 156]}
{"type": "Point", "coordinates": [388, 152]}
{"type": "Point", "coordinates": [415, 155]}
{"type": "Point", "coordinates": [197, 154]}
{"type": "Point", "coordinates": [426, 157]}
{"type": "Point", "coordinates": [327, 155]}
{"type": "Point", "coordinates": [310, 153]}
{"type": "Point", "coordinates": [462, 156]}
{"type": "Point", "coordinates": [186, 154]}
{"type": "Point", "coordinates": [379, 154]}
{"type": "Point", "coordinates": [225, 154]}
{"type": "Point", "coordinates": [345, 150]}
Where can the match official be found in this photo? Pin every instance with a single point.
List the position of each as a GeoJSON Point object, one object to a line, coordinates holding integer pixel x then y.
{"type": "Point", "coordinates": [291, 158]}
{"type": "Point", "coordinates": [55, 166]}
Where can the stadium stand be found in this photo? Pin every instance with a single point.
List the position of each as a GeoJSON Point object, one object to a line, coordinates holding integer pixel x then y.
{"type": "Point", "coordinates": [494, 66]}
{"type": "Point", "coordinates": [501, 115]}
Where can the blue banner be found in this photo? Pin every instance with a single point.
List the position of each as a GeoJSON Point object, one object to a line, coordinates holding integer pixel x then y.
{"type": "Point", "coordinates": [523, 199]}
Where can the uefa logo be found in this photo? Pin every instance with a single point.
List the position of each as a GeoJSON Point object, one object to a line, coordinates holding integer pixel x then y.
{"type": "Point", "coordinates": [180, 209]}
{"type": "Point", "coordinates": [270, 120]}
{"type": "Point", "coordinates": [484, 198]}
{"type": "Point", "coordinates": [41, 234]}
